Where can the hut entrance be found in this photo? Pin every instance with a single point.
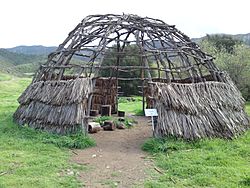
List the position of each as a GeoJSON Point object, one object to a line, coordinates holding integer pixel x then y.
{"type": "Point", "coordinates": [107, 91]}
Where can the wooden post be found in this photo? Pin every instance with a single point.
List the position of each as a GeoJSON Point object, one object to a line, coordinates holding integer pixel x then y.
{"type": "Point", "coordinates": [143, 95]}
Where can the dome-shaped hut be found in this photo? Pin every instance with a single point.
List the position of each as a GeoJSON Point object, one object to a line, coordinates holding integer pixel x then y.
{"type": "Point", "coordinates": [193, 97]}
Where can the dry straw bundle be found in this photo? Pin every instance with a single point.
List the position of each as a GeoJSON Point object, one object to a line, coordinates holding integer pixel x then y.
{"type": "Point", "coordinates": [191, 111]}
{"type": "Point", "coordinates": [55, 106]}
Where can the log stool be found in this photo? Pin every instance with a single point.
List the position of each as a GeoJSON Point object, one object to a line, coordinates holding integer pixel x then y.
{"type": "Point", "coordinates": [94, 127]}
{"type": "Point", "coordinates": [108, 126]}
{"type": "Point", "coordinates": [94, 113]}
{"type": "Point", "coordinates": [106, 110]}
{"type": "Point", "coordinates": [121, 113]}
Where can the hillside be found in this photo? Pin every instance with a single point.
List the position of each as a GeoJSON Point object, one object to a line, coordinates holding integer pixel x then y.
{"type": "Point", "coordinates": [17, 63]}
{"type": "Point", "coordinates": [21, 63]}
{"type": "Point", "coordinates": [17, 58]}
{"type": "Point", "coordinates": [245, 38]}
{"type": "Point", "coordinates": [26, 59]}
{"type": "Point", "coordinates": [32, 50]}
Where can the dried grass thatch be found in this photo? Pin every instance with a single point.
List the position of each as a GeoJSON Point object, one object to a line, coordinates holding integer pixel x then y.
{"type": "Point", "coordinates": [55, 106]}
{"type": "Point", "coordinates": [197, 110]}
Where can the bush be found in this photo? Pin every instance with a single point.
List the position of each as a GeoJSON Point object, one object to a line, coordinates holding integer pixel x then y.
{"type": "Point", "coordinates": [102, 119]}
{"type": "Point", "coordinates": [78, 141]}
{"type": "Point", "coordinates": [155, 145]}
{"type": "Point", "coordinates": [236, 64]}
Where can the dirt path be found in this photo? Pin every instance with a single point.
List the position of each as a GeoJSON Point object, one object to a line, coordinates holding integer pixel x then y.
{"type": "Point", "coordinates": [117, 160]}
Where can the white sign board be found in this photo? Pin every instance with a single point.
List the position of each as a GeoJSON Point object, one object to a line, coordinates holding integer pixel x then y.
{"type": "Point", "coordinates": [151, 112]}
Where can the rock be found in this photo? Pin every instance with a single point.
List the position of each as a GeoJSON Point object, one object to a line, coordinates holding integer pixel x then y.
{"type": "Point", "coordinates": [122, 119]}
{"type": "Point", "coordinates": [120, 126]}
{"type": "Point", "coordinates": [70, 173]}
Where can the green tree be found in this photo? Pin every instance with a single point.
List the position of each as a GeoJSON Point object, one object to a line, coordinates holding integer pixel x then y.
{"type": "Point", "coordinates": [223, 42]}
{"type": "Point", "coordinates": [236, 63]}
{"type": "Point", "coordinates": [128, 57]}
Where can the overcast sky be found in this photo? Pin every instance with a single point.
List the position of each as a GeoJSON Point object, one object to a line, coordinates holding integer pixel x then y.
{"type": "Point", "coordinates": [48, 22]}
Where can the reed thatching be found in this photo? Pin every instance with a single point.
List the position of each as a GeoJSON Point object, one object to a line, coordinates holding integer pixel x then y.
{"type": "Point", "coordinates": [55, 106]}
{"type": "Point", "coordinates": [193, 97]}
{"type": "Point", "coordinates": [198, 110]}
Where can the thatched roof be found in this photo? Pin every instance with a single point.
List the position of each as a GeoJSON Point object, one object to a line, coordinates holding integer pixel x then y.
{"type": "Point", "coordinates": [57, 92]}
{"type": "Point", "coordinates": [56, 106]}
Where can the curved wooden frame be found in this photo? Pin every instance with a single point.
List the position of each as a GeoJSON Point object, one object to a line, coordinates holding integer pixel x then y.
{"type": "Point", "coordinates": [175, 55]}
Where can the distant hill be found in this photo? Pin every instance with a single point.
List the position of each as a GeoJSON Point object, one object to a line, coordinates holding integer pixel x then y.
{"type": "Point", "coordinates": [245, 38]}
{"type": "Point", "coordinates": [17, 63]}
{"type": "Point", "coordinates": [32, 50]}
{"type": "Point", "coordinates": [19, 58]}
{"type": "Point", "coordinates": [26, 59]}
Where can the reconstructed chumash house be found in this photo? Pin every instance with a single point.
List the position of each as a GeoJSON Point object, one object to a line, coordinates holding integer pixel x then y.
{"type": "Point", "coordinates": [194, 99]}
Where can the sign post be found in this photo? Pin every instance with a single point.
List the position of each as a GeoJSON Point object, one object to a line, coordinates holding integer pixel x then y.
{"type": "Point", "coordinates": [151, 112]}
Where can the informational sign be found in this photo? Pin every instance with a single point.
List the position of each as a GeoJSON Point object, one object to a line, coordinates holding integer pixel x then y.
{"type": "Point", "coordinates": [151, 112]}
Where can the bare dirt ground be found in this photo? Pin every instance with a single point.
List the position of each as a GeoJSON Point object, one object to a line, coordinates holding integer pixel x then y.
{"type": "Point", "coordinates": [117, 160]}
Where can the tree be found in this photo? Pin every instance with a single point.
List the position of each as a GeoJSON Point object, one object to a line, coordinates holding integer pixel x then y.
{"type": "Point", "coordinates": [236, 63]}
{"type": "Point", "coordinates": [223, 42]}
{"type": "Point", "coordinates": [129, 57]}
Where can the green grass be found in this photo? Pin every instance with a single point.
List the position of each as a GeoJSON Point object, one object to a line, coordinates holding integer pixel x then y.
{"type": "Point", "coordinates": [248, 107]}
{"type": "Point", "coordinates": [101, 119]}
{"type": "Point", "coordinates": [4, 77]}
{"type": "Point", "coordinates": [30, 158]}
{"type": "Point", "coordinates": [203, 163]}
{"type": "Point", "coordinates": [134, 107]}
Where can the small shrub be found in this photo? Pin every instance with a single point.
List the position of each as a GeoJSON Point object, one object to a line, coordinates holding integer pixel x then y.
{"type": "Point", "coordinates": [155, 145]}
{"type": "Point", "coordinates": [78, 141]}
{"type": "Point", "coordinates": [245, 181]}
{"type": "Point", "coordinates": [129, 122]}
{"type": "Point", "coordinates": [102, 119]}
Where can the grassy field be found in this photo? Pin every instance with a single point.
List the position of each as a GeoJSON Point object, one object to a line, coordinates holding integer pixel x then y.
{"type": "Point", "coordinates": [204, 163]}
{"type": "Point", "coordinates": [248, 107]}
{"type": "Point", "coordinates": [133, 107]}
{"type": "Point", "coordinates": [31, 158]}
{"type": "Point", "coordinates": [4, 77]}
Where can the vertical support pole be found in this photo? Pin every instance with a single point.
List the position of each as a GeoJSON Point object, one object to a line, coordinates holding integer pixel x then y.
{"type": "Point", "coordinates": [143, 96]}
{"type": "Point", "coordinates": [89, 103]}
{"type": "Point", "coordinates": [117, 70]}
{"type": "Point", "coordinates": [143, 84]}
{"type": "Point", "coordinates": [153, 126]}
